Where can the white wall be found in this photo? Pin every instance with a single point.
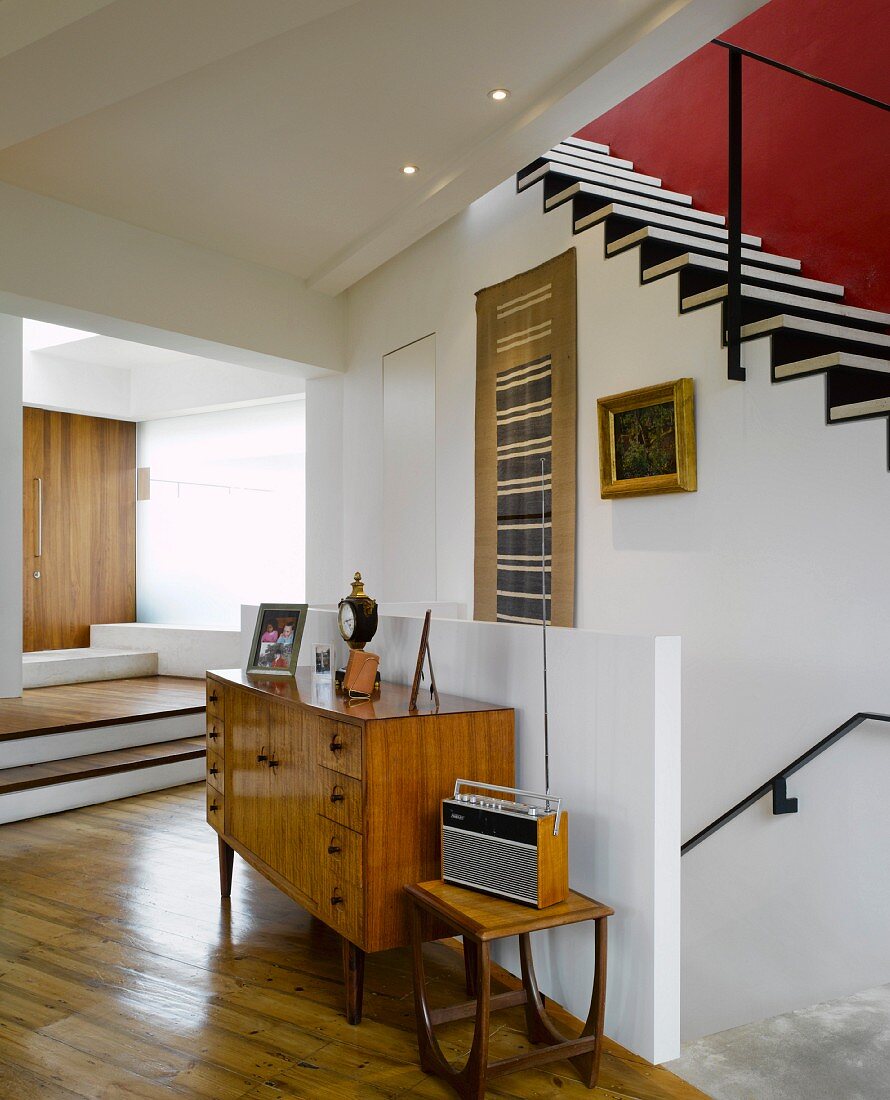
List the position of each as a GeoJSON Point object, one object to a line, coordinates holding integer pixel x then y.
{"type": "Point", "coordinates": [409, 472]}
{"type": "Point", "coordinates": [226, 518]}
{"type": "Point", "coordinates": [10, 506]}
{"type": "Point", "coordinates": [615, 736]}
{"type": "Point", "coordinates": [774, 572]}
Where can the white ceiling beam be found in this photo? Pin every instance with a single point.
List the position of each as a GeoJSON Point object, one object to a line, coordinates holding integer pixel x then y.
{"type": "Point", "coordinates": [644, 51]}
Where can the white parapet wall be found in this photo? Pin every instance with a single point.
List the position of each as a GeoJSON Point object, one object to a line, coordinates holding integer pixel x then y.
{"type": "Point", "coordinates": [182, 650]}
{"type": "Point", "coordinates": [615, 758]}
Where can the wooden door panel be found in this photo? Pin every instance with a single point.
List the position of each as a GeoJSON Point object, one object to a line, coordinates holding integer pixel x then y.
{"type": "Point", "coordinates": [88, 566]}
{"type": "Point", "coordinates": [296, 822]}
{"type": "Point", "coordinates": [251, 808]}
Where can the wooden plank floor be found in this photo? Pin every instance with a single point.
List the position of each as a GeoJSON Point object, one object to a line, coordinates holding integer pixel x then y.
{"type": "Point", "coordinates": [77, 706]}
{"type": "Point", "coordinates": [123, 975]}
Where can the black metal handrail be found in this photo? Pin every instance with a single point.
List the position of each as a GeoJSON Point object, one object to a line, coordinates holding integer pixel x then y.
{"type": "Point", "coordinates": [735, 370]}
{"type": "Point", "coordinates": [782, 804]}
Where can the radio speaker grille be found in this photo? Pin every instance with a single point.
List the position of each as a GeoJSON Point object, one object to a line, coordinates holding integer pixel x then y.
{"type": "Point", "coordinates": [487, 863]}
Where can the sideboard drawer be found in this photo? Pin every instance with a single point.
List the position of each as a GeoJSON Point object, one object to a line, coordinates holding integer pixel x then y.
{"type": "Point", "coordinates": [215, 733]}
{"type": "Point", "coordinates": [214, 808]}
{"type": "Point", "coordinates": [342, 907]}
{"type": "Point", "coordinates": [340, 798]}
{"type": "Point", "coordinates": [216, 700]}
{"type": "Point", "coordinates": [341, 853]}
{"type": "Point", "coordinates": [339, 747]}
{"type": "Point", "coordinates": [216, 772]}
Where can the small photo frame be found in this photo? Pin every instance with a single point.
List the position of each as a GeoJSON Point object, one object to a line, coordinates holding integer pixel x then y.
{"type": "Point", "coordinates": [276, 639]}
{"type": "Point", "coordinates": [323, 662]}
{"type": "Point", "coordinates": [647, 441]}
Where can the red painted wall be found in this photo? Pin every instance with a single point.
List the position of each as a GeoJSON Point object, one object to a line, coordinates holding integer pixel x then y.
{"type": "Point", "coordinates": [817, 164]}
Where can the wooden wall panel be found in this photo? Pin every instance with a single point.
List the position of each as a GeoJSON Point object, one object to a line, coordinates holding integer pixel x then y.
{"type": "Point", "coordinates": [88, 565]}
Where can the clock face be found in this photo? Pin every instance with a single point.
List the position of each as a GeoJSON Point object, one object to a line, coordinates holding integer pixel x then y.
{"type": "Point", "coordinates": [347, 620]}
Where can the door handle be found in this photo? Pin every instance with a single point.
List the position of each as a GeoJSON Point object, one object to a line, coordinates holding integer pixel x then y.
{"type": "Point", "coordinates": [39, 553]}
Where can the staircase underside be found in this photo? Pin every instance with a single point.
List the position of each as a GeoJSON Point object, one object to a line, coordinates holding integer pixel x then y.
{"type": "Point", "coordinates": [810, 328]}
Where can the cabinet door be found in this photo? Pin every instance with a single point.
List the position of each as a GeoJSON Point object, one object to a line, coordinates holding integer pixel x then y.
{"type": "Point", "coordinates": [293, 794]}
{"type": "Point", "coordinates": [250, 807]}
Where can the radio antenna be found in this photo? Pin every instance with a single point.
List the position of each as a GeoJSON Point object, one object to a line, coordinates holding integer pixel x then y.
{"type": "Point", "coordinates": [544, 631]}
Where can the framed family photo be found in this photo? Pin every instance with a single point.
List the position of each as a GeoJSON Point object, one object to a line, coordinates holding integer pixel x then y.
{"type": "Point", "coordinates": [647, 441]}
{"type": "Point", "coordinates": [276, 639]}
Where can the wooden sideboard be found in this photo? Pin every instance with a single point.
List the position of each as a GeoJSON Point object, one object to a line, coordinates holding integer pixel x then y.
{"type": "Point", "coordinates": [338, 803]}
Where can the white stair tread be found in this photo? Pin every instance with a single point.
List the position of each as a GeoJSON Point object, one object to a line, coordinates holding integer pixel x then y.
{"type": "Point", "coordinates": [668, 236]}
{"type": "Point", "coordinates": [800, 301]}
{"type": "Point", "coordinates": [877, 406]}
{"type": "Point", "coordinates": [592, 157]}
{"type": "Point", "coordinates": [811, 327]}
{"type": "Point", "coordinates": [832, 359]}
{"type": "Point", "coordinates": [714, 263]}
{"type": "Point", "coordinates": [53, 667]}
{"type": "Point", "coordinates": [598, 162]}
{"type": "Point", "coordinates": [583, 143]}
{"type": "Point", "coordinates": [622, 190]}
{"type": "Point", "coordinates": [666, 221]}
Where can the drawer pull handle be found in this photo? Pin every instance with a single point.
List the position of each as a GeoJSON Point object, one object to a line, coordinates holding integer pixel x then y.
{"type": "Point", "coordinates": [333, 849]}
{"type": "Point", "coordinates": [336, 900]}
{"type": "Point", "coordinates": [214, 770]}
{"type": "Point", "coordinates": [214, 698]}
{"type": "Point", "coordinates": [336, 745]}
{"type": "Point", "coordinates": [274, 762]}
{"type": "Point", "coordinates": [337, 795]}
{"type": "Point", "coordinates": [213, 807]}
{"type": "Point", "coordinates": [213, 734]}
{"type": "Point", "coordinates": [261, 758]}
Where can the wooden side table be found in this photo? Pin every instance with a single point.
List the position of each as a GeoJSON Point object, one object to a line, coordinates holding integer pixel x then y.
{"type": "Point", "coordinates": [481, 919]}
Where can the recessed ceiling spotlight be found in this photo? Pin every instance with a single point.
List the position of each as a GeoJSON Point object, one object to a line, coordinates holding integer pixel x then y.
{"type": "Point", "coordinates": [498, 94]}
{"type": "Point", "coordinates": [409, 169]}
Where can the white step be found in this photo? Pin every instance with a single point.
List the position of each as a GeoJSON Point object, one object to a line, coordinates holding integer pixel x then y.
{"type": "Point", "coordinates": [818, 363]}
{"type": "Point", "coordinates": [598, 184]}
{"type": "Point", "coordinates": [21, 805]}
{"type": "Point", "coordinates": [665, 221]}
{"type": "Point", "coordinates": [588, 157]}
{"type": "Point", "coordinates": [837, 310]}
{"type": "Point", "coordinates": [49, 667]}
{"type": "Point", "coordinates": [583, 143]}
{"type": "Point", "coordinates": [809, 327]}
{"type": "Point", "coordinates": [683, 240]}
{"type": "Point", "coordinates": [878, 406]}
{"type": "Point", "coordinates": [41, 747]}
{"type": "Point", "coordinates": [712, 263]}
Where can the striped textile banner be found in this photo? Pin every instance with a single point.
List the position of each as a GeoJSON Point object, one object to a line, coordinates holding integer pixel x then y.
{"type": "Point", "coordinates": [525, 427]}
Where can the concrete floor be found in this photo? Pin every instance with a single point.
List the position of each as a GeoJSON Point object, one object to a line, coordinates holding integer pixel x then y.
{"type": "Point", "coordinates": [839, 1050]}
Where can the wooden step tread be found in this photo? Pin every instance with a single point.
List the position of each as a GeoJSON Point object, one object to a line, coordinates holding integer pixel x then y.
{"type": "Point", "coordinates": [591, 174]}
{"type": "Point", "coordinates": [699, 245]}
{"type": "Point", "coordinates": [30, 776]}
{"type": "Point", "coordinates": [810, 327]}
{"type": "Point", "coordinates": [845, 359]}
{"type": "Point", "coordinates": [608, 163]}
{"type": "Point", "coordinates": [836, 310]}
{"type": "Point", "coordinates": [65, 707]}
{"type": "Point", "coordinates": [877, 406]}
{"type": "Point", "coordinates": [637, 214]}
{"type": "Point", "coordinates": [715, 263]}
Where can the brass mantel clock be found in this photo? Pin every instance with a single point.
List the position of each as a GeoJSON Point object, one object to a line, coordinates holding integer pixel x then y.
{"type": "Point", "coordinates": [357, 616]}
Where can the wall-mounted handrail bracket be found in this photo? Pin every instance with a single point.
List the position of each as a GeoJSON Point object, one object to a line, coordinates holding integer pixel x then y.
{"type": "Point", "coordinates": [782, 804]}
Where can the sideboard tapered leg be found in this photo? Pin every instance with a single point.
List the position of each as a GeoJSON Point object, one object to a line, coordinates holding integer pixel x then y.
{"type": "Point", "coordinates": [226, 860]}
{"type": "Point", "coordinates": [354, 979]}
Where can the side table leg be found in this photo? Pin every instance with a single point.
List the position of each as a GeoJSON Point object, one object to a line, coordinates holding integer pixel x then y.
{"type": "Point", "coordinates": [538, 1032]}
{"type": "Point", "coordinates": [469, 1083]}
{"type": "Point", "coordinates": [588, 1065]}
{"type": "Point", "coordinates": [226, 860]}
{"type": "Point", "coordinates": [471, 962]}
{"type": "Point", "coordinates": [354, 980]}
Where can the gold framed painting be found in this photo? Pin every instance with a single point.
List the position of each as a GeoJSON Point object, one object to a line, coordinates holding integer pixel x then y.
{"type": "Point", "coordinates": [647, 441]}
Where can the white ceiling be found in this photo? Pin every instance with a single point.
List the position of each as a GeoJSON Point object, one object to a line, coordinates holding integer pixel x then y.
{"type": "Point", "coordinates": [275, 131]}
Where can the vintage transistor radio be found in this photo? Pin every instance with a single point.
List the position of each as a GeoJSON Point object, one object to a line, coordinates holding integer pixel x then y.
{"type": "Point", "coordinates": [507, 842]}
